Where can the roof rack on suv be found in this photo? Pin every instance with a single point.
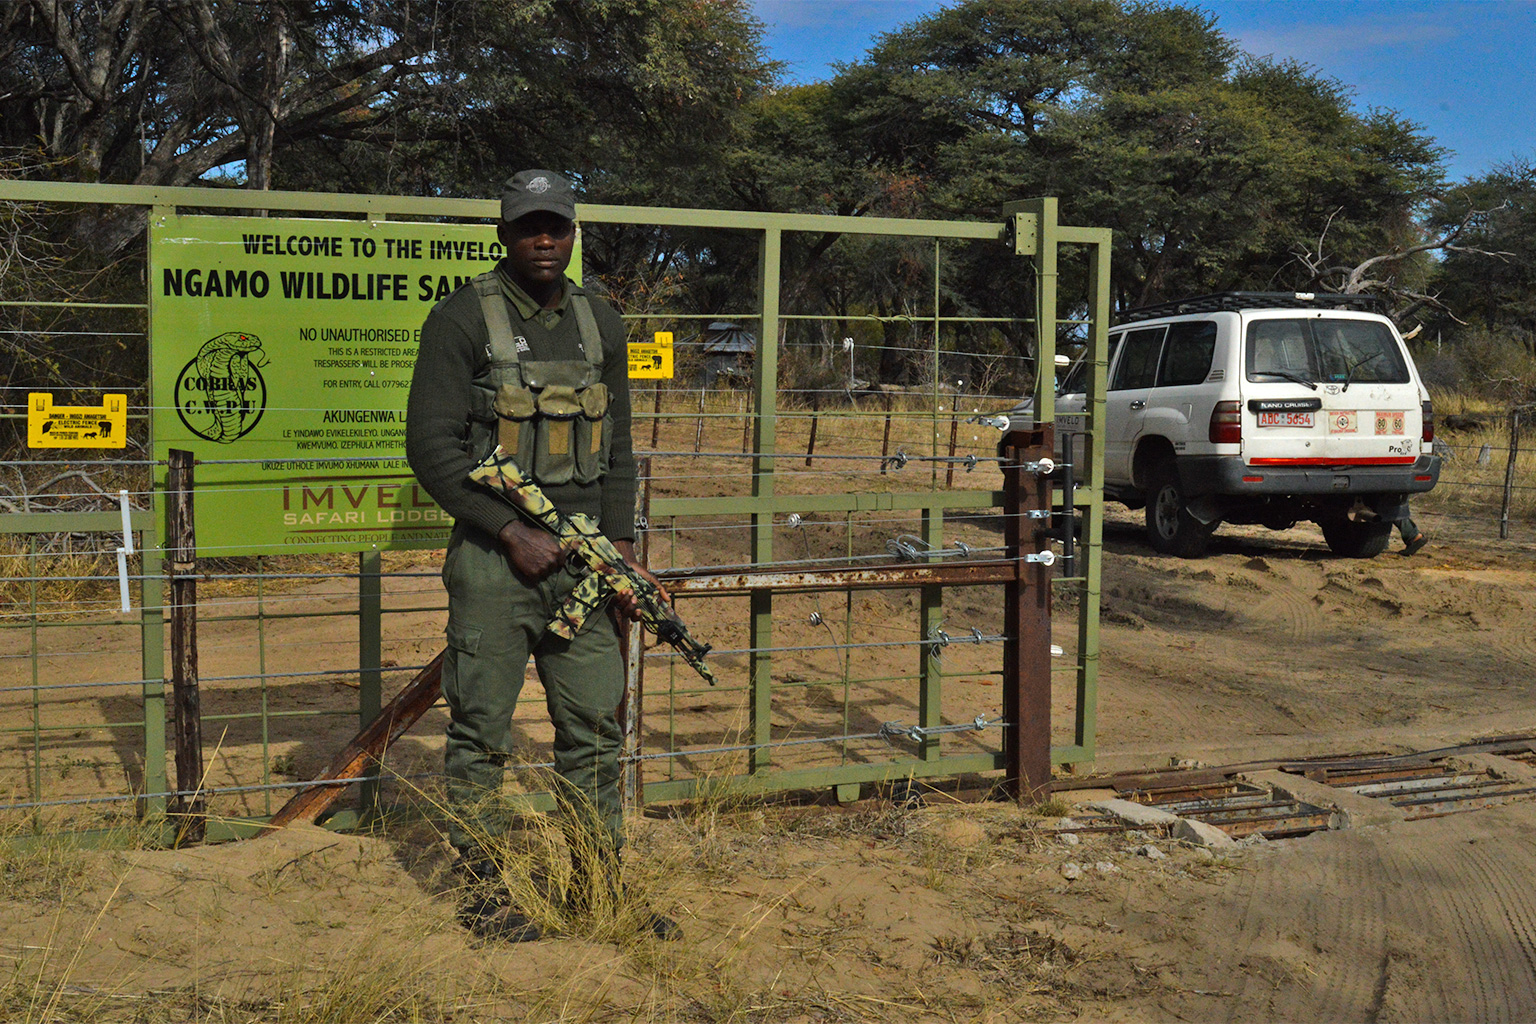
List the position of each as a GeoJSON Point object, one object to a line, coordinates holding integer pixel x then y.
{"type": "Point", "coordinates": [1235, 301]}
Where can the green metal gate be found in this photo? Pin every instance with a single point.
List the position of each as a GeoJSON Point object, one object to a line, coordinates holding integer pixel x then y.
{"type": "Point", "coordinates": [774, 508]}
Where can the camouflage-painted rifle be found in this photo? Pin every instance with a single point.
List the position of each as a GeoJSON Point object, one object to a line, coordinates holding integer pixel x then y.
{"type": "Point", "coordinates": [608, 572]}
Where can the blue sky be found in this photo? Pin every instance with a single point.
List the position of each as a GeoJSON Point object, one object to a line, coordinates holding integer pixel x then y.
{"type": "Point", "coordinates": [1465, 70]}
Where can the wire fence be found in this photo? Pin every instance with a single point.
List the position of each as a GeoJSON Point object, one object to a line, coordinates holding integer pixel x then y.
{"type": "Point", "coordinates": [279, 642]}
{"type": "Point", "coordinates": [278, 634]}
{"type": "Point", "coordinates": [881, 452]}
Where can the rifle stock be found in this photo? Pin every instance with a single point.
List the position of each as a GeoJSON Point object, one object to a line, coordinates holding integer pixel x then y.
{"type": "Point", "coordinates": [608, 571]}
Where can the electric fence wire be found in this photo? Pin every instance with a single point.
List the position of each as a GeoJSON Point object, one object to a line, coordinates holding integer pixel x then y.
{"type": "Point", "coordinates": [866, 522]}
{"type": "Point", "coordinates": [767, 566]}
{"type": "Point", "coordinates": [904, 550]}
{"type": "Point", "coordinates": [887, 732]}
{"type": "Point", "coordinates": [80, 686]}
{"type": "Point", "coordinates": [659, 651]}
{"type": "Point", "coordinates": [70, 334]}
{"type": "Point", "coordinates": [65, 609]}
{"type": "Point", "coordinates": [223, 790]}
{"type": "Point", "coordinates": [394, 640]}
{"type": "Point", "coordinates": [898, 460]}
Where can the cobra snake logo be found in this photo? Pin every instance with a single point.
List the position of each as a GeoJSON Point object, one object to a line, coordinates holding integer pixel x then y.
{"type": "Point", "coordinates": [220, 393]}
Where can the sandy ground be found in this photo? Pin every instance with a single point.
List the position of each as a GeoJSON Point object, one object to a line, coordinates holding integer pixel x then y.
{"type": "Point", "coordinates": [952, 911]}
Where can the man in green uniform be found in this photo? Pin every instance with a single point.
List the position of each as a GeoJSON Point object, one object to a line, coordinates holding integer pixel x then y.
{"type": "Point", "coordinates": [523, 357]}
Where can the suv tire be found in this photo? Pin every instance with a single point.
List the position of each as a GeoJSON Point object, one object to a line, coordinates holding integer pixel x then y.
{"type": "Point", "coordinates": [1350, 538]}
{"type": "Point", "coordinates": [1171, 530]}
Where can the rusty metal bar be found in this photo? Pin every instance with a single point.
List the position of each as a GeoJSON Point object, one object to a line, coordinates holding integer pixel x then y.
{"type": "Point", "coordinates": [1434, 806]}
{"type": "Point", "coordinates": [950, 574]}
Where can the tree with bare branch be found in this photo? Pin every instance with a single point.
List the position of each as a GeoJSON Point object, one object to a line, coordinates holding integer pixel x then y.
{"type": "Point", "coordinates": [1382, 275]}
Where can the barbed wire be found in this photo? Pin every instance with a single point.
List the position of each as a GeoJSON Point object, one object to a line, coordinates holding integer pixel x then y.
{"type": "Point", "coordinates": [887, 732]}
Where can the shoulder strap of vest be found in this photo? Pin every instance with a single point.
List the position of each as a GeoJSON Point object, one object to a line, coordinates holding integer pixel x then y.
{"type": "Point", "coordinates": [493, 306]}
{"type": "Point", "coordinates": [497, 324]}
{"type": "Point", "coordinates": [586, 323]}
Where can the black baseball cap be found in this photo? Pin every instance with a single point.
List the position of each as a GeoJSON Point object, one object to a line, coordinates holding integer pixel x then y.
{"type": "Point", "coordinates": [531, 191]}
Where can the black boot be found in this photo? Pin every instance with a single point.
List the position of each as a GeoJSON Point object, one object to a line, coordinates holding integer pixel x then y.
{"type": "Point", "coordinates": [487, 909]}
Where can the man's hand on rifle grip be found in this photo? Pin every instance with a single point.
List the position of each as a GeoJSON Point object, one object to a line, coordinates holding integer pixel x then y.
{"type": "Point", "coordinates": [626, 604]}
{"type": "Point", "coordinates": [533, 552]}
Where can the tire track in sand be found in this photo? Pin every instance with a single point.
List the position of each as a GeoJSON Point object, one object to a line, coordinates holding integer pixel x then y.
{"type": "Point", "coordinates": [1288, 603]}
{"type": "Point", "coordinates": [1472, 891]}
{"type": "Point", "coordinates": [1421, 920]}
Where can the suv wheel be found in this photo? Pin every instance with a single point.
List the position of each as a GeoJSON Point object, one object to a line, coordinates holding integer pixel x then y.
{"type": "Point", "coordinates": [1351, 538]}
{"type": "Point", "coordinates": [1171, 530]}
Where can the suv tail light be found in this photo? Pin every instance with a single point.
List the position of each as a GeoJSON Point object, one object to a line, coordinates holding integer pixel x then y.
{"type": "Point", "coordinates": [1429, 422]}
{"type": "Point", "coordinates": [1227, 423]}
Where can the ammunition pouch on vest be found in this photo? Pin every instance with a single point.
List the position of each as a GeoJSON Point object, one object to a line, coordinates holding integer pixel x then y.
{"type": "Point", "coordinates": [552, 416]}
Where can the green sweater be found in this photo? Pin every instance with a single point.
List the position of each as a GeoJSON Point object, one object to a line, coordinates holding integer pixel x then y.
{"type": "Point", "coordinates": [453, 352]}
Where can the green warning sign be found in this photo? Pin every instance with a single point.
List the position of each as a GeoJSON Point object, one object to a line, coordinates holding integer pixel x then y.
{"type": "Point", "coordinates": [282, 354]}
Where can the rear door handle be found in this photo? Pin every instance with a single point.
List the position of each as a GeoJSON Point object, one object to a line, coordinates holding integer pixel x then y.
{"type": "Point", "coordinates": [1138, 404]}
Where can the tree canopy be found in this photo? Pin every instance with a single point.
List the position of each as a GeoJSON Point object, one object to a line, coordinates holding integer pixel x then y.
{"type": "Point", "coordinates": [413, 97]}
{"type": "Point", "coordinates": [1215, 169]}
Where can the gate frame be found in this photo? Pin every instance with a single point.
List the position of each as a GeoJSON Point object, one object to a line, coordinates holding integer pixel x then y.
{"type": "Point", "coordinates": [1031, 228]}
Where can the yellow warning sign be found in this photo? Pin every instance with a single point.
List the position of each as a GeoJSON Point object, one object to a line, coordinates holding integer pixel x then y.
{"type": "Point", "coordinates": [652, 361]}
{"type": "Point", "coordinates": [77, 426]}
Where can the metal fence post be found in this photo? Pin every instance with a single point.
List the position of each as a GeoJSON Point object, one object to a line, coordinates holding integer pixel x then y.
{"type": "Point", "coordinates": [189, 805]}
{"type": "Point", "coordinates": [765, 427]}
{"type": "Point", "coordinates": [930, 670]}
{"type": "Point", "coordinates": [632, 643]}
{"type": "Point", "coordinates": [1027, 616]}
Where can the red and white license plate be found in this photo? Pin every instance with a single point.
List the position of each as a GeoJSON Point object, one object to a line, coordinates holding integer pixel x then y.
{"type": "Point", "coordinates": [1286, 419]}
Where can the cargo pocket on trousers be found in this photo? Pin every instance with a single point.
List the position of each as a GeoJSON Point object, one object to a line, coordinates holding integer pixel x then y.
{"type": "Point", "coordinates": [592, 435]}
{"type": "Point", "coordinates": [554, 460]}
{"type": "Point", "coordinates": [465, 638]}
{"type": "Point", "coordinates": [463, 641]}
{"type": "Point", "coordinates": [515, 409]}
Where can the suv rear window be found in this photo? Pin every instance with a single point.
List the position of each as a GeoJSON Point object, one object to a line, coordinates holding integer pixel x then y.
{"type": "Point", "coordinates": [1324, 349]}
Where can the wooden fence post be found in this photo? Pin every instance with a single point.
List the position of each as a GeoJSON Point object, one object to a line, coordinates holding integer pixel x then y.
{"type": "Point", "coordinates": [1026, 618]}
{"type": "Point", "coordinates": [954, 436]}
{"type": "Point", "coordinates": [190, 806]}
{"type": "Point", "coordinates": [885, 442]}
{"type": "Point", "coordinates": [746, 420]}
{"type": "Point", "coordinates": [810, 448]}
{"type": "Point", "coordinates": [1509, 471]}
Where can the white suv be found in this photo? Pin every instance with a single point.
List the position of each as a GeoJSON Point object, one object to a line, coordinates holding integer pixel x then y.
{"type": "Point", "coordinates": [1258, 407]}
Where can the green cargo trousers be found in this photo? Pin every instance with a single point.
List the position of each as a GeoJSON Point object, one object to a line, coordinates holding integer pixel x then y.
{"type": "Point", "coordinates": [495, 621]}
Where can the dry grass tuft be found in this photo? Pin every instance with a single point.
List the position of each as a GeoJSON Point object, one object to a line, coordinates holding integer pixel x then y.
{"type": "Point", "coordinates": [1472, 479]}
{"type": "Point", "coordinates": [50, 866]}
{"type": "Point", "coordinates": [1053, 807]}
